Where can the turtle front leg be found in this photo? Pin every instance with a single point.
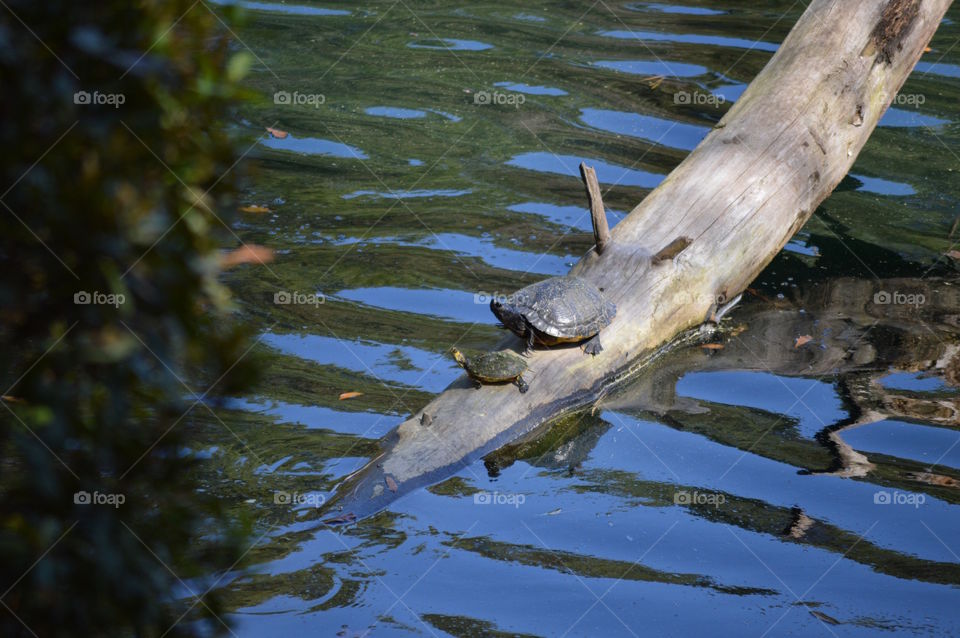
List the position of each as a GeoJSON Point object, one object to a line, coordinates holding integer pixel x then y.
{"type": "Point", "coordinates": [531, 337]}
{"type": "Point", "coordinates": [522, 385]}
{"type": "Point", "coordinates": [592, 345]}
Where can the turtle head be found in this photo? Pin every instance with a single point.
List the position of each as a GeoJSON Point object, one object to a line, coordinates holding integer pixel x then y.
{"type": "Point", "coordinates": [509, 316]}
{"type": "Point", "coordinates": [458, 357]}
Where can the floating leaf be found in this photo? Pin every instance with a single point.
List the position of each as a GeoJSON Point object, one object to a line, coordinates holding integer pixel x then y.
{"type": "Point", "coordinates": [712, 346]}
{"type": "Point", "coordinates": [654, 81]}
{"type": "Point", "coordinates": [249, 253]}
{"type": "Point", "coordinates": [254, 209]}
{"type": "Point", "coordinates": [277, 133]}
{"type": "Point", "coordinates": [391, 483]}
{"type": "Point", "coordinates": [802, 340]}
{"type": "Point", "coordinates": [759, 295]}
{"type": "Point", "coordinates": [350, 395]}
{"type": "Point", "coordinates": [738, 330]}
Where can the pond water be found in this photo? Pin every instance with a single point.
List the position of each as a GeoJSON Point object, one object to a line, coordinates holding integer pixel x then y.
{"type": "Point", "coordinates": [766, 486]}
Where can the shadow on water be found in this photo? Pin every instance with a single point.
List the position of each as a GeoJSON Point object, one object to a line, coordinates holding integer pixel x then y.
{"type": "Point", "coordinates": [800, 474]}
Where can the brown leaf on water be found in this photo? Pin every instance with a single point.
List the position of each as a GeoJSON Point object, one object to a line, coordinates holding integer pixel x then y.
{"type": "Point", "coordinates": [933, 479]}
{"type": "Point", "coordinates": [277, 133]}
{"type": "Point", "coordinates": [391, 483]}
{"type": "Point", "coordinates": [802, 340]}
{"type": "Point", "coordinates": [759, 295]}
{"type": "Point", "coordinates": [350, 395]}
{"type": "Point", "coordinates": [654, 81]}
{"type": "Point", "coordinates": [712, 346]}
{"type": "Point", "coordinates": [254, 209]}
{"type": "Point", "coordinates": [250, 253]}
{"type": "Point", "coordinates": [738, 330]}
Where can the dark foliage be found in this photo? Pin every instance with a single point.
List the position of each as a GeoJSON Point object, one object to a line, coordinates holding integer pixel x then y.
{"type": "Point", "coordinates": [116, 172]}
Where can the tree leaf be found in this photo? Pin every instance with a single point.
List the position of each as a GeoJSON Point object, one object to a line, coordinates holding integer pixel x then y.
{"type": "Point", "coordinates": [239, 65]}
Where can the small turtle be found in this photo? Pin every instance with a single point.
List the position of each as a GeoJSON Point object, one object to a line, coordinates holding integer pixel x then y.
{"type": "Point", "coordinates": [502, 366]}
{"type": "Point", "coordinates": [557, 310]}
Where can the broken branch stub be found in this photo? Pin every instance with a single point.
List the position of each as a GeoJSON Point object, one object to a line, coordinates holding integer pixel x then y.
{"type": "Point", "coordinates": [598, 215]}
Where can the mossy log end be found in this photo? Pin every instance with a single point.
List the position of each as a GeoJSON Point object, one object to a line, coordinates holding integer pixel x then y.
{"type": "Point", "coordinates": [738, 197]}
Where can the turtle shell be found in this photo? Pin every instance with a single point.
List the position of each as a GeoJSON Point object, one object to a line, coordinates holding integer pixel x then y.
{"type": "Point", "coordinates": [565, 307]}
{"type": "Point", "coordinates": [495, 367]}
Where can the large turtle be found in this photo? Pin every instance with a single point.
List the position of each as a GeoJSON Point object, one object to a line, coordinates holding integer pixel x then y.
{"type": "Point", "coordinates": [557, 310]}
{"type": "Point", "coordinates": [502, 366]}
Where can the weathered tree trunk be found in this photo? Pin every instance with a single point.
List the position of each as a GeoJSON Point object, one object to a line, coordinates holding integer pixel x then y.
{"type": "Point", "coordinates": [739, 197]}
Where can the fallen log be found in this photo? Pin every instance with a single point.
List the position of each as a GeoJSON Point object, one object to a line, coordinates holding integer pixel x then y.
{"type": "Point", "coordinates": [701, 236]}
